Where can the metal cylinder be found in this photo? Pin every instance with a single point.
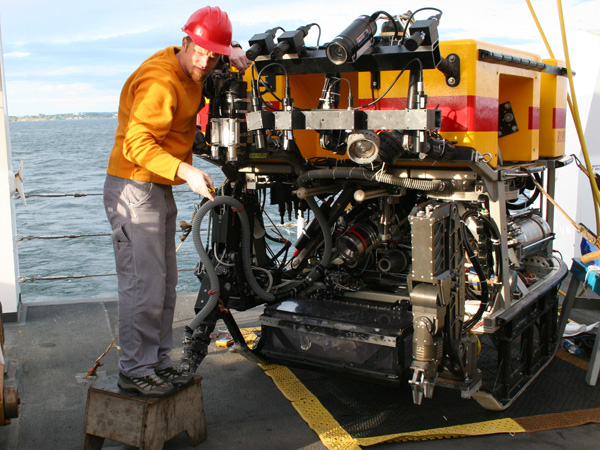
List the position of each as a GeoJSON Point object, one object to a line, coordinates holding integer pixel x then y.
{"type": "Point", "coordinates": [215, 138]}
{"type": "Point", "coordinates": [531, 233]}
{"type": "Point", "coordinates": [361, 196]}
{"type": "Point", "coordinates": [423, 348]}
{"type": "Point", "coordinates": [392, 261]}
{"type": "Point", "coordinates": [356, 241]}
{"type": "Point", "coordinates": [10, 403]}
{"type": "Point", "coordinates": [232, 131]}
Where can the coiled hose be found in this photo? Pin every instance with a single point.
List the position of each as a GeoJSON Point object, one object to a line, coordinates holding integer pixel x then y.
{"type": "Point", "coordinates": [213, 278]}
{"type": "Point", "coordinates": [317, 272]}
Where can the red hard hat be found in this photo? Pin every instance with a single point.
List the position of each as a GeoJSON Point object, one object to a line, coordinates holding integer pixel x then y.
{"type": "Point", "coordinates": [210, 28]}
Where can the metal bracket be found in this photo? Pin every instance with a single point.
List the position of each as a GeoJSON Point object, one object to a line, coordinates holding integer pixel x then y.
{"type": "Point", "coordinates": [507, 124]}
{"type": "Point", "coordinates": [375, 79]}
{"type": "Point", "coordinates": [450, 67]}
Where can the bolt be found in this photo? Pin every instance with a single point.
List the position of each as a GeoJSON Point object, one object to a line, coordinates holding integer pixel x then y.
{"type": "Point", "coordinates": [451, 81]}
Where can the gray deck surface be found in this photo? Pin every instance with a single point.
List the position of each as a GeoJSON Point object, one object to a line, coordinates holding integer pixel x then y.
{"type": "Point", "coordinates": [53, 346]}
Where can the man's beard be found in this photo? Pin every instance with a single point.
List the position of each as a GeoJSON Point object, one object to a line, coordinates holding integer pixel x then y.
{"type": "Point", "coordinates": [198, 76]}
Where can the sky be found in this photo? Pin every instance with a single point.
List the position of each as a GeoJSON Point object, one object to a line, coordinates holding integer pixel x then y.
{"type": "Point", "coordinates": [69, 56]}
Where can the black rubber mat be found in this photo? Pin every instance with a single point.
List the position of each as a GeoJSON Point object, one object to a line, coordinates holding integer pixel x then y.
{"type": "Point", "coordinates": [366, 410]}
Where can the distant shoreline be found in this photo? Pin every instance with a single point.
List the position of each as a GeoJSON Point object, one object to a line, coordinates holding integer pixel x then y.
{"type": "Point", "coordinates": [71, 116]}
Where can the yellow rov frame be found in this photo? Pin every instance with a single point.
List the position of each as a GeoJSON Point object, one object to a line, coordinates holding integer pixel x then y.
{"type": "Point", "coordinates": [506, 104]}
{"type": "Point", "coordinates": [470, 108]}
{"type": "Point", "coordinates": [497, 117]}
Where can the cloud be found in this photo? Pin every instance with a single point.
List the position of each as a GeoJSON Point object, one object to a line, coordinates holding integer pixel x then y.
{"type": "Point", "coordinates": [30, 98]}
{"type": "Point", "coordinates": [17, 55]}
{"type": "Point", "coordinates": [99, 44]}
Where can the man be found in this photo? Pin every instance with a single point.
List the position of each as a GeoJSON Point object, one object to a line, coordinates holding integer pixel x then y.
{"type": "Point", "coordinates": [153, 151]}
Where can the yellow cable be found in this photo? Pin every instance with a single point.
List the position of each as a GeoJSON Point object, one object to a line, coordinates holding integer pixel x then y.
{"type": "Point", "coordinates": [578, 295]}
{"type": "Point", "coordinates": [537, 22]}
{"type": "Point", "coordinates": [572, 107]}
{"type": "Point", "coordinates": [588, 164]}
{"type": "Point", "coordinates": [575, 112]}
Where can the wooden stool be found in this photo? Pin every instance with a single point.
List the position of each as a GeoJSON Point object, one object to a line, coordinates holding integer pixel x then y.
{"type": "Point", "coordinates": [143, 422]}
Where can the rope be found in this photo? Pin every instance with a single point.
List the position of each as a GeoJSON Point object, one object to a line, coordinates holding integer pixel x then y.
{"type": "Point", "coordinates": [62, 277]}
{"type": "Point", "coordinates": [91, 373]}
{"type": "Point", "coordinates": [22, 237]}
{"type": "Point", "coordinates": [66, 277]}
{"type": "Point", "coordinates": [57, 236]}
{"type": "Point", "coordinates": [74, 194]}
{"type": "Point", "coordinates": [80, 194]}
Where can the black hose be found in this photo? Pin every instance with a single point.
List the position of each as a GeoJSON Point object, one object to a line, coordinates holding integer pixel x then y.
{"type": "Point", "coordinates": [496, 243]}
{"type": "Point", "coordinates": [359, 173]}
{"type": "Point", "coordinates": [515, 206]}
{"type": "Point", "coordinates": [485, 295]}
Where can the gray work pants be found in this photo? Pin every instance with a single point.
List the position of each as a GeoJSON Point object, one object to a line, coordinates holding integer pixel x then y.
{"type": "Point", "coordinates": [143, 219]}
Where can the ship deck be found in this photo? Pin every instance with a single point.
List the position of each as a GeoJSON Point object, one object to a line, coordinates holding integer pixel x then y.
{"type": "Point", "coordinates": [53, 346]}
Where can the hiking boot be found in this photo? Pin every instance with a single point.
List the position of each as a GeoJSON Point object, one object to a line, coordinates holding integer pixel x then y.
{"type": "Point", "coordinates": [175, 377]}
{"type": "Point", "coordinates": [150, 385]}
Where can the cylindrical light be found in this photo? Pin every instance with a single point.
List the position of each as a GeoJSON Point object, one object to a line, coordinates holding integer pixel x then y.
{"type": "Point", "coordinates": [363, 146]}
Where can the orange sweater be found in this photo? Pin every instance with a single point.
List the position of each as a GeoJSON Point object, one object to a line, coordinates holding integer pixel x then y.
{"type": "Point", "coordinates": [157, 121]}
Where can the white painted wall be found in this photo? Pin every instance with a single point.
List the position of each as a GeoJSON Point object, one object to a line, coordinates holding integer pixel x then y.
{"type": "Point", "coordinates": [9, 265]}
{"type": "Point", "coordinates": [573, 192]}
{"type": "Point", "coordinates": [585, 211]}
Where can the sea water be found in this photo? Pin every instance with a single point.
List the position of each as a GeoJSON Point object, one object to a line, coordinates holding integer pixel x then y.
{"type": "Point", "coordinates": [70, 157]}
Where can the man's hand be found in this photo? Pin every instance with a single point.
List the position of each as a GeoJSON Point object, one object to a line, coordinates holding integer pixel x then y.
{"type": "Point", "coordinates": [198, 180]}
{"type": "Point", "coordinates": [239, 60]}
